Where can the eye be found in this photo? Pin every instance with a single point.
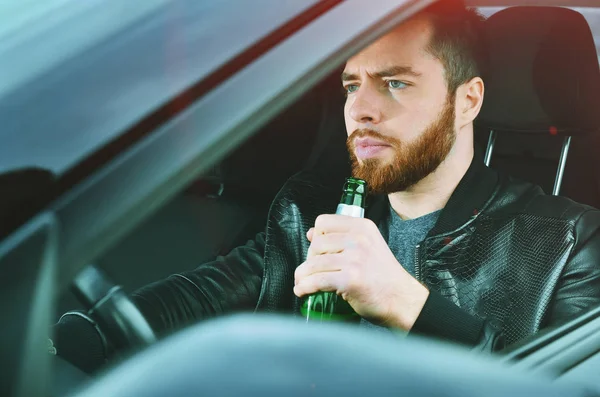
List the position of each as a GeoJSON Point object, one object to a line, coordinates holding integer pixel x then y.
{"type": "Point", "coordinates": [350, 88]}
{"type": "Point", "coordinates": [396, 84]}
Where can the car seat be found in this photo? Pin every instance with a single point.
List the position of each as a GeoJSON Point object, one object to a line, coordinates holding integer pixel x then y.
{"type": "Point", "coordinates": [539, 120]}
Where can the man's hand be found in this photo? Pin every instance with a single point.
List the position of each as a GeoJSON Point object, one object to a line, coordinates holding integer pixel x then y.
{"type": "Point", "coordinates": [350, 257]}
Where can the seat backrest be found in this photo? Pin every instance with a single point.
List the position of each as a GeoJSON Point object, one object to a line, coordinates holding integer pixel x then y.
{"type": "Point", "coordinates": [542, 86]}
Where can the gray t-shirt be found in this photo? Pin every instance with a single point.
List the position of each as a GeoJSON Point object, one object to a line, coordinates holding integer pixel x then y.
{"type": "Point", "coordinates": [402, 237]}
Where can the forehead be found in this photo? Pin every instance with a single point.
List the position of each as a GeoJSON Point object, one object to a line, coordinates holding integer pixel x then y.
{"type": "Point", "coordinates": [405, 45]}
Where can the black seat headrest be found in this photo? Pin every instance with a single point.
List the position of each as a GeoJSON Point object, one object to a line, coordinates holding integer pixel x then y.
{"type": "Point", "coordinates": [543, 73]}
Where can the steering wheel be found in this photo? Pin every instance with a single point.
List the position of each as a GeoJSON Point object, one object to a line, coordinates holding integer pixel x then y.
{"type": "Point", "coordinates": [118, 322]}
{"type": "Point", "coordinates": [110, 307]}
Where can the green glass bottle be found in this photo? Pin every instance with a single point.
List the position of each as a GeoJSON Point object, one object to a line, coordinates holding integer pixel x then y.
{"type": "Point", "coordinates": [328, 306]}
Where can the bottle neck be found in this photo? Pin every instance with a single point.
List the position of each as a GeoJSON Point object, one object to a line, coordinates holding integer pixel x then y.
{"type": "Point", "coordinates": [353, 199]}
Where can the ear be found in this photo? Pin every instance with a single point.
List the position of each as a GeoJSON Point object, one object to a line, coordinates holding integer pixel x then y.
{"type": "Point", "coordinates": [469, 99]}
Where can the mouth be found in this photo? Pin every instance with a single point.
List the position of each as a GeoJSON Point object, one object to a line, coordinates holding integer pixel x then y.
{"type": "Point", "coordinates": [366, 142]}
{"type": "Point", "coordinates": [368, 147]}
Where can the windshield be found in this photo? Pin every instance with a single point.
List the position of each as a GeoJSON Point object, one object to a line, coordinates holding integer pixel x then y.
{"type": "Point", "coordinates": [83, 73]}
{"type": "Point", "coordinates": [19, 15]}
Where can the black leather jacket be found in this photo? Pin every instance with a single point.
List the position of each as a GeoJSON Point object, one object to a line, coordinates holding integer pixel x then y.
{"type": "Point", "coordinates": [503, 261]}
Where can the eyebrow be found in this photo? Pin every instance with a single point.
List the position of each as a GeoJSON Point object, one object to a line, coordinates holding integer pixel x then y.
{"type": "Point", "coordinates": [388, 72]}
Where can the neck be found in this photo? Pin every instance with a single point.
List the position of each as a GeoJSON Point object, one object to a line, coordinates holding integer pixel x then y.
{"type": "Point", "coordinates": [433, 192]}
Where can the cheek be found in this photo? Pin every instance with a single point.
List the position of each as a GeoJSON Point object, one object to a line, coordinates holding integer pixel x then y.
{"type": "Point", "coordinates": [408, 124]}
{"type": "Point", "coordinates": [412, 118]}
{"type": "Point", "coordinates": [424, 117]}
{"type": "Point", "coordinates": [349, 121]}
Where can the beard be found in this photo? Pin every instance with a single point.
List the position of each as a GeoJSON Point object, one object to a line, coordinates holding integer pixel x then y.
{"type": "Point", "coordinates": [412, 161]}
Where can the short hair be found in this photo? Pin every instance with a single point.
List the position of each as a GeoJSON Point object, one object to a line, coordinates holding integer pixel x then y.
{"type": "Point", "coordinates": [457, 41]}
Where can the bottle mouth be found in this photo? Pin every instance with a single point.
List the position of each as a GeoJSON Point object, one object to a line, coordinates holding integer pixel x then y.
{"type": "Point", "coordinates": [355, 185]}
{"type": "Point", "coordinates": [354, 192]}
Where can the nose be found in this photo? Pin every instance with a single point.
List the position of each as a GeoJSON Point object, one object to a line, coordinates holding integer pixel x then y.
{"type": "Point", "coordinates": [364, 107]}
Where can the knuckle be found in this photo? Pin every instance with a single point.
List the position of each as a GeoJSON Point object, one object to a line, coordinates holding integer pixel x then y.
{"type": "Point", "coordinates": [352, 276]}
{"type": "Point", "coordinates": [299, 271]}
{"type": "Point", "coordinates": [352, 281]}
{"type": "Point", "coordinates": [321, 281]}
{"type": "Point", "coordinates": [310, 263]}
{"type": "Point", "coordinates": [345, 286]}
{"type": "Point", "coordinates": [362, 238]}
{"type": "Point", "coordinates": [351, 245]}
{"type": "Point", "coordinates": [314, 247]}
{"type": "Point", "coordinates": [319, 238]}
{"type": "Point", "coordinates": [360, 241]}
{"type": "Point", "coordinates": [369, 224]}
{"type": "Point", "coordinates": [320, 220]}
{"type": "Point", "coordinates": [318, 261]}
{"type": "Point", "coordinates": [344, 283]}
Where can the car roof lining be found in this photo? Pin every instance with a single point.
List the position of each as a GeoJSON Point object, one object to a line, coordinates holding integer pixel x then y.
{"type": "Point", "coordinates": [546, 3]}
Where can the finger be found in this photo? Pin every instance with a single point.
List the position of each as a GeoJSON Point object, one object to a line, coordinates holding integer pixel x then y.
{"type": "Point", "coordinates": [341, 224]}
{"type": "Point", "coordinates": [332, 243]}
{"type": "Point", "coordinates": [324, 281]}
{"type": "Point", "coordinates": [318, 264]}
{"type": "Point", "coordinates": [333, 223]}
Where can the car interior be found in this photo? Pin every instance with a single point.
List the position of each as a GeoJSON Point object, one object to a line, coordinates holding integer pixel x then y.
{"type": "Point", "coordinates": [526, 120]}
{"type": "Point", "coordinates": [535, 125]}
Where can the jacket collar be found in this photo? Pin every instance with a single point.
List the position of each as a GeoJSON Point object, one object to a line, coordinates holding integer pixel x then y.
{"type": "Point", "coordinates": [468, 199]}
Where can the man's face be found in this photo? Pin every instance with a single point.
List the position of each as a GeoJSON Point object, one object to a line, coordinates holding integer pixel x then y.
{"type": "Point", "coordinates": [399, 117]}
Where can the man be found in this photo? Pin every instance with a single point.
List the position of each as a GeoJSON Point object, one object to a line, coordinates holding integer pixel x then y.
{"type": "Point", "coordinates": [449, 248]}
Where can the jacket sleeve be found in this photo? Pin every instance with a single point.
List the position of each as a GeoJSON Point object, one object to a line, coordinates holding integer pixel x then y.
{"type": "Point", "coordinates": [440, 318]}
{"type": "Point", "coordinates": [228, 284]}
{"type": "Point", "coordinates": [578, 289]}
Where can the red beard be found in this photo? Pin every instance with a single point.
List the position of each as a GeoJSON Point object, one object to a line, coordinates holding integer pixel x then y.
{"type": "Point", "coordinates": [412, 162]}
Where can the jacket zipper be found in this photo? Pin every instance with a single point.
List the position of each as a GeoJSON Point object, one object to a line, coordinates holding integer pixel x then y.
{"type": "Point", "coordinates": [417, 267]}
